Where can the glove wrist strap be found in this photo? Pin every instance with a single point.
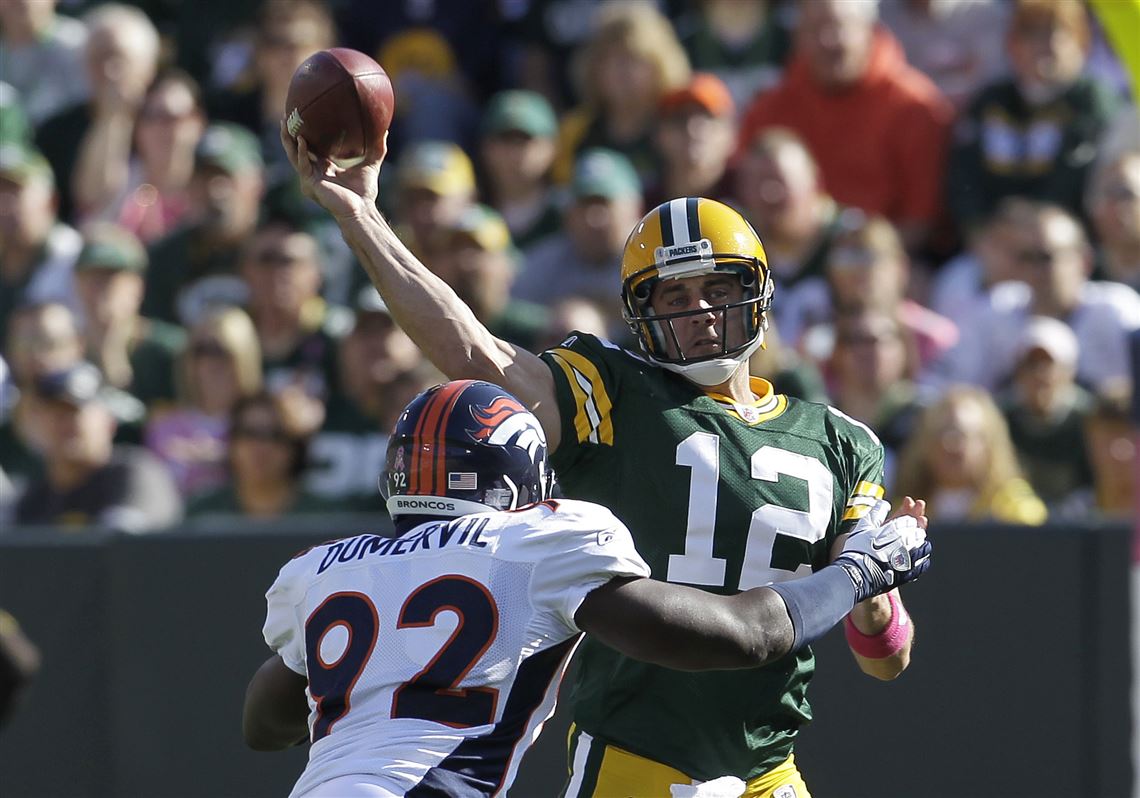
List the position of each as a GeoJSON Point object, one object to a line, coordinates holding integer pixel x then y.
{"type": "Point", "coordinates": [891, 640]}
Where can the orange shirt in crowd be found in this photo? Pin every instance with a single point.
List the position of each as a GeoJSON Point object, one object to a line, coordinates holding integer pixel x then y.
{"type": "Point", "coordinates": [881, 144]}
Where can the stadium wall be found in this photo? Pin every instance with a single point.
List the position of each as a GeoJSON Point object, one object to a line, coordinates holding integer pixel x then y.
{"type": "Point", "coordinates": [1019, 684]}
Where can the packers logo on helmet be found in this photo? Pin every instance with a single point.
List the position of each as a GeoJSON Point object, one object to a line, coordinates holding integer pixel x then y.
{"type": "Point", "coordinates": [691, 237]}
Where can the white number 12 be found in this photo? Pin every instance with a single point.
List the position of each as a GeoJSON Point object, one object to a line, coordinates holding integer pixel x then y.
{"type": "Point", "coordinates": [697, 566]}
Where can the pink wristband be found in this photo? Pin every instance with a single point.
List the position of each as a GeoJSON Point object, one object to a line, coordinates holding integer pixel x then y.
{"type": "Point", "coordinates": [887, 642]}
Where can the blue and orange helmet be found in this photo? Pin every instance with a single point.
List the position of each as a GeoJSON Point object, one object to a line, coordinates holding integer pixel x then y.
{"type": "Point", "coordinates": [465, 447]}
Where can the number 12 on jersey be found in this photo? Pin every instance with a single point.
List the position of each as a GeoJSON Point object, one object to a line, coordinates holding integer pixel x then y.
{"type": "Point", "coordinates": [700, 452]}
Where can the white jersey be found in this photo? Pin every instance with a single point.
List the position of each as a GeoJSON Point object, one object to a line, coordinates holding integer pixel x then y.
{"type": "Point", "coordinates": [433, 659]}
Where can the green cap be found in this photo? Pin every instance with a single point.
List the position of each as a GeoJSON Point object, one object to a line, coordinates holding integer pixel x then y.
{"type": "Point", "coordinates": [230, 148]}
{"type": "Point", "coordinates": [21, 163]}
{"type": "Point", "coordinates": [599, 172]}
{"type": "Point", "coordinates": [485, 227]}
{"type": "Point", "coordinates": [524, 111]}
{"type": "Point", "coordinates": [108, 246]}
{"type": "Point", "coordinates": [14, 127]}
{"type": "Point", "coordinates": [439, 166]}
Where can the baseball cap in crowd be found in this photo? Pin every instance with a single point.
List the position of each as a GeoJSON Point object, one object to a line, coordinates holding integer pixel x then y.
{"type": "Point", "coordinates": [79, 384]}
{"type": "Point", "coordinates": [22, 162]}
{"type": "Point", "coordinates": [439, 166]}
{"type": "Point", "coordinates": [599, 172]}
{"type": "Point", "coordinates": [1048, 335]}
{"type": "Point", "coordinates": [108, 246]}
{"type": "Point", "coordinates": [705, 90]}
{"type": "Point", "coordinates": [485, 227]}
{"type": "Point", "coordinates": [518, 110]}
{"type": "Point", "coordinates": [229, 147]}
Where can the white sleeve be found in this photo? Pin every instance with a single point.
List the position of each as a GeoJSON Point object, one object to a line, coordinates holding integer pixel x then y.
{"type": "Point", "coordinates": [590, 546]}
{"type": "Point", "coordinates": [282, 629]}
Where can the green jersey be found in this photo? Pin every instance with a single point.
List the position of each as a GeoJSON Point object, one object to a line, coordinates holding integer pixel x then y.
{"type": "Point", "coordinates": [722, 496]}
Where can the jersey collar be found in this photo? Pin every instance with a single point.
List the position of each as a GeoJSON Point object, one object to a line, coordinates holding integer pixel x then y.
{"type": "Point", "coordinates": [767, 404]}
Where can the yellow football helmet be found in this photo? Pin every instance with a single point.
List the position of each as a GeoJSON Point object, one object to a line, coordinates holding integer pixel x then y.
{"type": "Point", "coordinates": [689, 237]}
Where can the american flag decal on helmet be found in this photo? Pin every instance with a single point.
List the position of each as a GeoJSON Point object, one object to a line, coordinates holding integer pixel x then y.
{"type": "Point", "coordinates": [462, 480]}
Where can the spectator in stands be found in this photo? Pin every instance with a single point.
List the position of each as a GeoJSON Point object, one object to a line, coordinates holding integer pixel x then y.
{"type": "Point", "coordinates": [570, 314]}
{"type": "Point", "coordinates": [86, 479]}
{"type": "Point", "coordinates": [348, 452]}
{"type": "Point", "coordinates": [549, 33]}
{"type": "Point", "coordinates": [867, 268]}
{"type": "Point", "coordinates": [877, 127]}
{"type": "Point", "coordinates": [631, 60]}
{"type": "Point", "coordinates": [955, 43]}
{"type": "Point", "coordinates": [478, 260]}
{"type": "Point", "coordinates": [19, 662]}
{"type": "Point", "coordinates": [135, 354]}
{"type": "Point", "coordinates": [196, 266]}
{"type": "Point", "coordinates": [517, 147]}
{"type": "Point", "coordinates": [135, 169]}
{"type": "Point", "coordinates": [37, 251]}
{"type": "Point", "coordinates": [122, 58]}
{"type": "Point", "coordinates": [1114, 207]}
{"type": "Point", "coordinates": [1053, 259]}
{"type": "Point", "coordinates": [788, 372]}
{"type": "Point", "coordinates": [41, 339]}
{"type": "Point", "coordinates": [297, 330]}
{"type": "Point", "coordinates": [961, 458]}
{"type": "Point", "coordinates": [1046, 412]}
{"type": "Point", "coordinates": [1036, 133]}
{"type": "Point", "coordinates": [266, 461]}
{"type": "Point", "coordinates": [220, 366]}
{"type": "Point", "coordinates": [435, 182]}
{"type": "Point", "coordinates": [867, 376]}
{"type": "Point", "coordinates": [1110, 438]}
{"type": "Point", "coordinates": [439, 98]}
{"type": "Point", "coordinates": [41, 56]}
{"type": "Point", "coordinates": [288, 32]}
{"type": "Point", "coordinates": [778, 187]}
{"type": "Point", "coordinates": [743, 42]}
{"type": "Point", "coordinates": [605, 204]}
{"type": "Point", "coordinates": [962, 284]}
{"type": "Point", "coordinates": [695, 136]}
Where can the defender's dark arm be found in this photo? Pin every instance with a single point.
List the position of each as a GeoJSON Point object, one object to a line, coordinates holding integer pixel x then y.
{"type": "Point", "coordinates": [688, 629]}
{"type": "Point", "coordinates": [276, 711]}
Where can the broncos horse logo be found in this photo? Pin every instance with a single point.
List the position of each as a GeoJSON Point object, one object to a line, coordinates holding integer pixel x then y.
{"type": "Point", "coordinates": [506, 421]}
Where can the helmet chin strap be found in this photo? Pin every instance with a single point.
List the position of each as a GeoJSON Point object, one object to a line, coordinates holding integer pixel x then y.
{"type": "Point", "coordinates": [716, 371]}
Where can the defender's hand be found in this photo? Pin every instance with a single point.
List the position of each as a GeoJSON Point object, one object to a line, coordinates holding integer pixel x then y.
{"type": "Point", "coordinates": [343, 192]}
{"type": "Point", "coordinates": [879, 556]}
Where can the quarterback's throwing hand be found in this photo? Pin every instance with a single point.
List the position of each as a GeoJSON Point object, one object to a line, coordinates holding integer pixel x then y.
{"type": "Point", "coordinates": [879, 556]}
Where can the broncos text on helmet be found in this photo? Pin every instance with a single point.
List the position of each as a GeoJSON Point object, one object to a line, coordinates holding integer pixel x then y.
{"type": "Point", "coordinates": [689, 237]}
{"type": "Point", "coordinates": [465, 447]}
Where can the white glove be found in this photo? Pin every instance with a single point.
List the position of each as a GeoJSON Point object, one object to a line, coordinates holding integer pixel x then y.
{"type": "Point", "coordinates": [879, 556]}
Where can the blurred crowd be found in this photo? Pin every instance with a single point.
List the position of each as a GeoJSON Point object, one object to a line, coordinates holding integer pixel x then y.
{"type": "Point", "coordinates": [948, 191]}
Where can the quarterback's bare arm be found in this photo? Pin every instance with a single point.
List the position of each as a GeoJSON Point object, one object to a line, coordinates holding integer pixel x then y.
{"type": "Point", "coordinates": [873, 617]}
{"type": "Point", "coordinates": [422, 304]}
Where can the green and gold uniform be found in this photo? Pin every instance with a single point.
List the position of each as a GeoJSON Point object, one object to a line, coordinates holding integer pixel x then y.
{"type": "Point", "coordinates": [717, 495]}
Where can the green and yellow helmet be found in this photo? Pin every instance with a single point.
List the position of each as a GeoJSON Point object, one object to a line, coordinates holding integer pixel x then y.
{"type": "Point", "coordinates": [688, 237]}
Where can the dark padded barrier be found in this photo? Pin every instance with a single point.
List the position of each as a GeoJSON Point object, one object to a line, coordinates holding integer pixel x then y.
{"type": "Point", "coordinates": [1019, 684]}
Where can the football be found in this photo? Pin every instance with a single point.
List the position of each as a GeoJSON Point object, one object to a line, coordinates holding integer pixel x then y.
{"type": "Point", "coordinates": [341, 102]}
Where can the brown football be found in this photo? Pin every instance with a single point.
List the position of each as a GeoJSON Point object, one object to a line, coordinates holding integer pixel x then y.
{"type": "Point", "coordinates": [340, 101]}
